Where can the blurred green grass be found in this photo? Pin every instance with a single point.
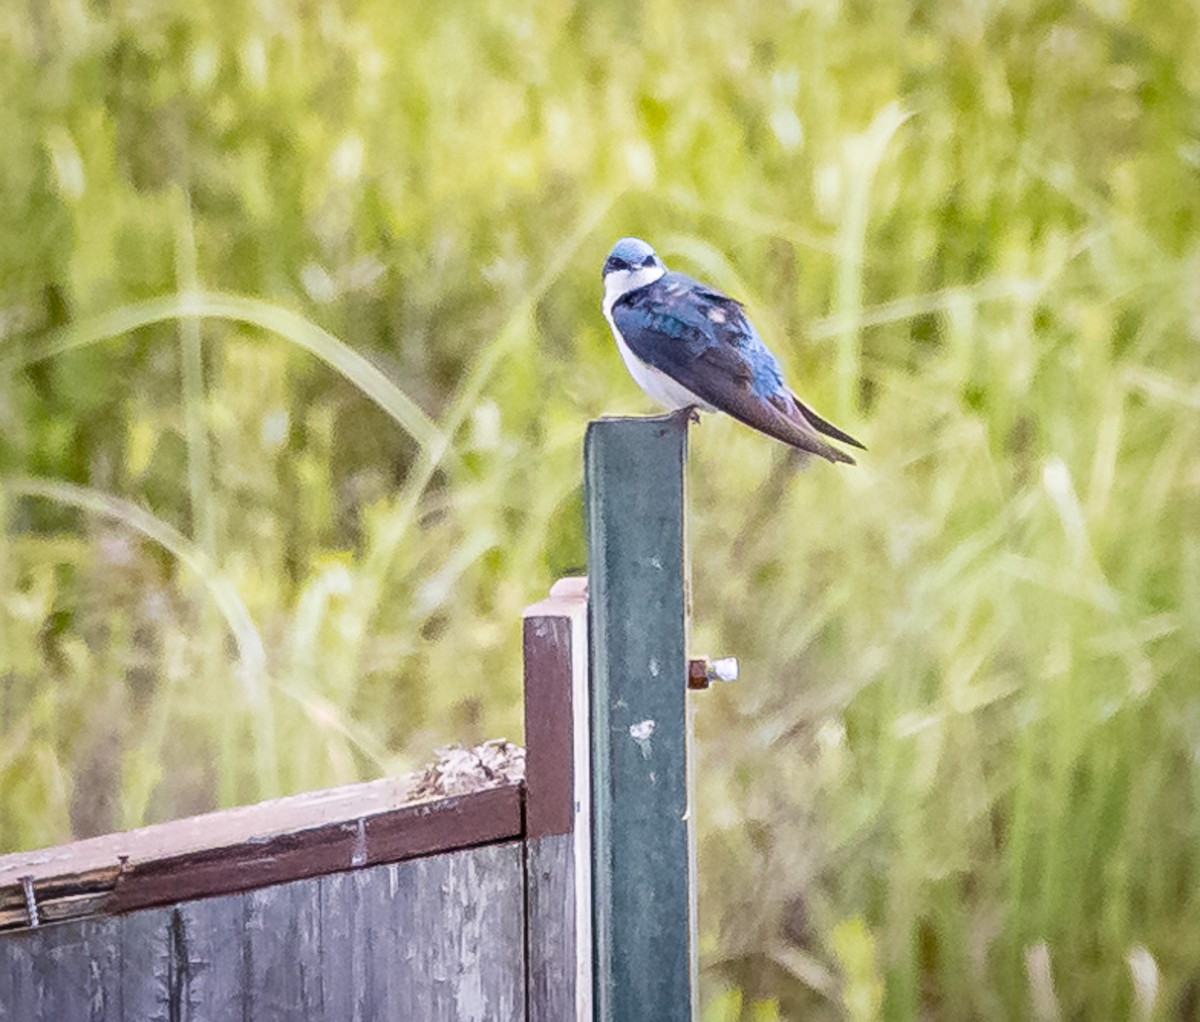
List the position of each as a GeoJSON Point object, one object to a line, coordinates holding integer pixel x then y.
{"type": "Point", "coordinates": [959, 778]}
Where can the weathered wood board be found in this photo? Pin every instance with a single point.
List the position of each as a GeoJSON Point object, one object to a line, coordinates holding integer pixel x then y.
{"type": "Point", "coordinates": [558, 806]}
{"type": "Point", "coordinates": [435, 939]}
{"type": "Point", "coordinates": [238, 849]}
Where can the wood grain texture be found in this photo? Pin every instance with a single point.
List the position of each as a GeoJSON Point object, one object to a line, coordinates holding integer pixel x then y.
{"type": "Point", "coordinates": [343, 955]}
{"type": "Point", "coordinates": [56, 894]}
{"type": "Point", "coordinates": [16, 976]}
{"type": "Point", "coordinates": [251, 847]}
{"type": "Point", "coordinates": [549, 762]}
{"type": "Point", "coordinates": [558, 805]}
{"type": "Point", "coordinates": [184, 963]}
{"type": "Point", "coordinates": [74, 971]}
{"type": "Point", "coordinates": [554, 974]}
{"type": "Point", "coordinates": [479, 818]}
{"type": "Point", "coordinates": [436, 939]}
{"type": "Point", "coordinates": [444, 938]}
{"type": "Point", "coordinates": [283, 947]}
{"type": "Point", "coordinates": [227, 827]}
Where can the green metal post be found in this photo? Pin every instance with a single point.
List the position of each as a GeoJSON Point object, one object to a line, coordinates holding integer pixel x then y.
{"type": "Point", "coordinates": [642, 886]}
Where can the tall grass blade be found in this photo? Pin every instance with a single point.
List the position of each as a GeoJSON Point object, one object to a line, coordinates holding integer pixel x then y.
{"type": "Point", "coordinates": [249, 643]}
{"type": "Point", "coordinates": [224, 595]}
{"type": "Point", "coordinates": [253, 311]}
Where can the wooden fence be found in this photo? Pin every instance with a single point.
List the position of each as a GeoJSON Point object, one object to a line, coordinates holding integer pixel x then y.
{"type": "Point", "coordinates": [562, 894]}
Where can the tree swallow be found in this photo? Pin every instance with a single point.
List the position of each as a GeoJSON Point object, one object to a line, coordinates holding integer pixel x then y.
{"type": "Point", "coordinates": [689, 346]}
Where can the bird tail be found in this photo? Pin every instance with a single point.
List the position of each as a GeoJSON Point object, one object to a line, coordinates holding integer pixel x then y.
{"type": "Point", "coordinates": [785, 422]}
{"type": "Point", "coordinates": [812, 444]}
{"type": "Point", "coordinates": [824, 426]}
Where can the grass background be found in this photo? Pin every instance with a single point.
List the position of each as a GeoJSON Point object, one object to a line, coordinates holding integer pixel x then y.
{"type": "Point", "coordinates": [299, 331]}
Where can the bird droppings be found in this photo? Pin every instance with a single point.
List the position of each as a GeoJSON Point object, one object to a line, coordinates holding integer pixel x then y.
{"type": "Point", "coordinates": [358, 856]}
{"type": "Point", "coordinates": [460, 771]}
{"type": "Point", "coordinates": [655, 667]}
{"type": "Point", "coordinates": [641, 733]}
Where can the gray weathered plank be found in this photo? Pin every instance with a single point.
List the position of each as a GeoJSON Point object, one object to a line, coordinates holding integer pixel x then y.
{"type": "Point", "coordinates": [382, 892]}
{"type": "Point", "coordinates": [74, 972]}
{"type": "Point", "coordinates": [184, 963]}
{"type": "Point", "coordinates": [558, 806]}
{"type": "Point", "coordinates": [16, 976]}
{"type": "Point", "coordinates": [343, 961]}
{"type": "Point", "coordinates": [553, 970]}
{"type": "Point", "coordinates": [440, 938]}
{"type": "Point", "coordinates": [151, 989]}
{"type": "Point", "coordinates": [478, 959]}
{"type": "Point", "coordinates": [634, 475]}
{"type": "Point", "coordinates": [443, 938]}
{"type": "Point", "coordinates": [283, 952]}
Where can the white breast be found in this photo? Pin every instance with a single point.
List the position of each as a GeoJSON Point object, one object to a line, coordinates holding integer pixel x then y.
{"type": "Point", "coordinates": [655, 382]}
{"type": "Point", "coordinates": [666, 391]}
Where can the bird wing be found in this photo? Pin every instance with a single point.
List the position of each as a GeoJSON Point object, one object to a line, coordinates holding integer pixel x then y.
{"type": "Point", "coordinates": [825, 426]}
{"type": "Point", "coordinates": [702, 339]}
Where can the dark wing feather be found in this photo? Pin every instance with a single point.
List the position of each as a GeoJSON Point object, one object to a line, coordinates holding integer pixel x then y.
{"type": "Point", "coordinates": [825, 426]}
{"type": "Point", "coordinates": [671, 326]}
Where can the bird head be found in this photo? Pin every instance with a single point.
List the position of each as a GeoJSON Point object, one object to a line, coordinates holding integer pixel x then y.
{"type": "Point", "coordinates": [631, 264]}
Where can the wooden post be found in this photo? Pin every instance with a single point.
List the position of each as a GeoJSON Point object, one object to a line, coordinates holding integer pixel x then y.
{"type": "Point", "coordinates": [642, 889]}
{"type": "Point", "coordinates": [558, 808]}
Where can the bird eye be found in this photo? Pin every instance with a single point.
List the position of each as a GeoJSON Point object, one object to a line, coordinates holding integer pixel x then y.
{"type": "Point", "coordinates": [648, 261]}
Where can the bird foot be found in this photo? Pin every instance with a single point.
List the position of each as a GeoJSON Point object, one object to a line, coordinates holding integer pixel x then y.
{"type": "Point", "coordinates": [689, 413]}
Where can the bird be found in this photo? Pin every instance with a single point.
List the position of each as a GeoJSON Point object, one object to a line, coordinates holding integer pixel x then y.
{"type": "Point", "coordinates": [692, 348]}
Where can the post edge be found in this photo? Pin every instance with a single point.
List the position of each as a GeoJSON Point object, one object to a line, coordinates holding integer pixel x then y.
{"type": "Point", "coordinates": [558, 805]}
